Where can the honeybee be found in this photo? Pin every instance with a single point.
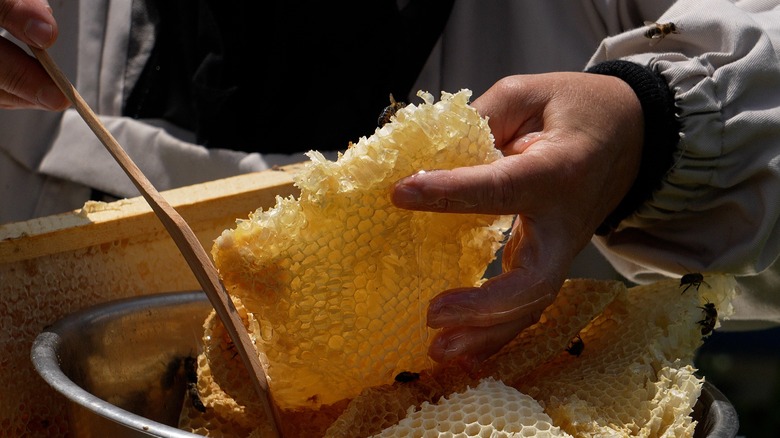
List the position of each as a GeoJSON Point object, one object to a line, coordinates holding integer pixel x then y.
{"type": "Point", "coordinates": [659, 31]}
{"type": "Point", "coordinates": [191, 374]}
{"type": "Point", "coordinates": [171, 375]}
{"type": "Point", "coordinates": [407, 376]}
{"type": "Point", "coordinates": [694, 279]}
{"type": "Point", "coordinates": [389, 111]}
{"type": "Point", "coordinates": [710, 318]}
{"type": "Point", "coordinates": [232, 347]}
{"type": "Point", "coordinates": [575, 346]}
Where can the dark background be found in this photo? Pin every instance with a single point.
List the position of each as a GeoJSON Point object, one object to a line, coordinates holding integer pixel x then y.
{"type": "Point", "coordinates": [745, 367]}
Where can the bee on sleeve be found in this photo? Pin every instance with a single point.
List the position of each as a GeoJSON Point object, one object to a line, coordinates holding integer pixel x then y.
{"type": "Point", "coordinates": [659, 31]}
{"type": "Point", "coordinates": [389, 111]}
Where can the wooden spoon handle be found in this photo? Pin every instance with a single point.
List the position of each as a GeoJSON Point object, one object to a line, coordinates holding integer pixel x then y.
{"type": "Point", "coordinates": [182, 235]}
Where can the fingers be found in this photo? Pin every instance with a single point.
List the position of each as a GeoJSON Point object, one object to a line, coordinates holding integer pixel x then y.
{"type": "Point", "coordinates": [515, 110]}
{"type": "Point", "coordinates": [472, 345]}
{"type": "Point", "coordinates": [500, 300]}
{"type": "Point", "coordinates": [24, 83]}
{"type": "Point", "coordinates": [477, 322]}
{"type": "Point", "coordinates": [12, 101]}
{"type": "Point", "coordinates": [505, 186]}
{"type": "Point", "coordinates": [456, 191]}
{"type": "Point", "coordinates": [31, 21]}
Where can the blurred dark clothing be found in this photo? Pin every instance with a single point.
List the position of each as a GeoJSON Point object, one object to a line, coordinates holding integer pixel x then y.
{"type": "Point", "coordinates": [283, 77]}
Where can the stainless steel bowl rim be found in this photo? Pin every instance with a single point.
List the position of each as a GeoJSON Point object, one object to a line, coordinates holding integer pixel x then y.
{"type": "Point", "coordinates": [46, 362]}
{"type": "Point", "coordinates": [720, 420]}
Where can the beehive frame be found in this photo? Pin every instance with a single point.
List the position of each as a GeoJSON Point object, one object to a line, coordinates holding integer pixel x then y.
{"type": "Point", "coordinates": [53, 266]}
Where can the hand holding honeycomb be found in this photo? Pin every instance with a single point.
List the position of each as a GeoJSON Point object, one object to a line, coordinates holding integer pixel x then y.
{"type": "Point", "coordinates": [334, 287]}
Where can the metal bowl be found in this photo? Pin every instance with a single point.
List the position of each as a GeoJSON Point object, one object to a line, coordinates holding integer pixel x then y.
{"type": "Point", "coordinates": [120, 366]}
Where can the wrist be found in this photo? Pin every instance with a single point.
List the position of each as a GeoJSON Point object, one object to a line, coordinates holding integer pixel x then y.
{"type": "Point", "coordinates": [661, 134]}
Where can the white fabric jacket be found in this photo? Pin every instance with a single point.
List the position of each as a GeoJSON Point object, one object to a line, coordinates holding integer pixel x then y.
{"type": "Point", "coordinates": [50, 162]}
{"type": "Point", "coordinates": [718, 207]}
{"type": "Point", "coordinates": [716, 211]}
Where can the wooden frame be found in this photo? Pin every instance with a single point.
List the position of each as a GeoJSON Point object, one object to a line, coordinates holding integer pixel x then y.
{"type": "Point", "coordinates": [56, 265]}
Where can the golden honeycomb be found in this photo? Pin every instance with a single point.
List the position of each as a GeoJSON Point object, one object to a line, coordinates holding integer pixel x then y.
{"type": "Point", "coordinates": [633, 377]}
{"type": "Point", "coordinates": [338, 279]}
{"type": "Point", "coordinates": [576, 304]}
{"type": "Point", "coordinates": [336, 315]}
{"type": "Point", "coordinates": [489, 409]}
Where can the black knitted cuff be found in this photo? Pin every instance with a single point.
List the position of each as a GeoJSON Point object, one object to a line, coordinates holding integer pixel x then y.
{"type": "Point", "coordinates": [662, 132]}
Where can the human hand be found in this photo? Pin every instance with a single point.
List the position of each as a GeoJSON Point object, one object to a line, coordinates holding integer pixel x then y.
{"type": "Point", "coordinates": [23, 81]}
{"type": "Point", "coordinates": [572, 145]}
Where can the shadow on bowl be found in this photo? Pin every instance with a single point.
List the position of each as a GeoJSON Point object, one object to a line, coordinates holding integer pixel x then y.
{"type": "Point", "coordinates": [121, 367]}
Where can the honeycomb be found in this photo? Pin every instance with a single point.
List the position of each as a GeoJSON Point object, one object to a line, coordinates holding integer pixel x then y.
{"type": "Point", "coordinates": [233, 409]}
{"type": "Point", "coordinates": [489, 409]}
{"type": "Point", "coordinates": [576, 304]}
{"type": "Point", "coordinates": [224, 387]}
{"type": "Point", "coordinates": [338, 279]}
{"type": "Point", "coordinates": [334, 285]}
{"type": "Point", "coordinates": [633, 377]}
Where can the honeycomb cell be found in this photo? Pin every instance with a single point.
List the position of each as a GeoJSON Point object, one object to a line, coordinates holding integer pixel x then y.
{"type": "Point", "coordinates": [485, 415]}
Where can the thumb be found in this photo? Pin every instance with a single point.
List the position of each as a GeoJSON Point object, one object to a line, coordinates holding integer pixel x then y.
{"type": "Point", "coordinates": [501, 187]}
{"type": "Point", "coordinates": [30, 21]}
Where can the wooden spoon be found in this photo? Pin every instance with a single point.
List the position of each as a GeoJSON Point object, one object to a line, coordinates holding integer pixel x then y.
{"type": "Point", "coordinates": [182, 235]}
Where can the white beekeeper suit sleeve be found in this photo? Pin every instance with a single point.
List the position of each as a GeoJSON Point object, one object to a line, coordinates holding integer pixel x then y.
{"type": "Point", "coordinates": [486, 41]}
{"type": "Point", "coordinates": [717, 208]}
{"type": "Point", "coordinates": [50, 162]}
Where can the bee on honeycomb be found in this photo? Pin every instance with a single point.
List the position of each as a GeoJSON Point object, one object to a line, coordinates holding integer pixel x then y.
{"type": "Point", "coordinates": [575, 346]}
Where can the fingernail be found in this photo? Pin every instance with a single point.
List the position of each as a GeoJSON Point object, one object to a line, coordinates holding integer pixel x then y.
{"type": "Point", "coordinates": [470, 364]}
{"type": "Point", "coordinates": [448, 348]}
{"type": "Point", "coordinates": [39, 33]}
{"type": "Point", "coordinates": [404, 195]}
{"type": "Point", "coordinates": [51, 97]}
{"type": "Point", "coordinates": [444, 315]}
